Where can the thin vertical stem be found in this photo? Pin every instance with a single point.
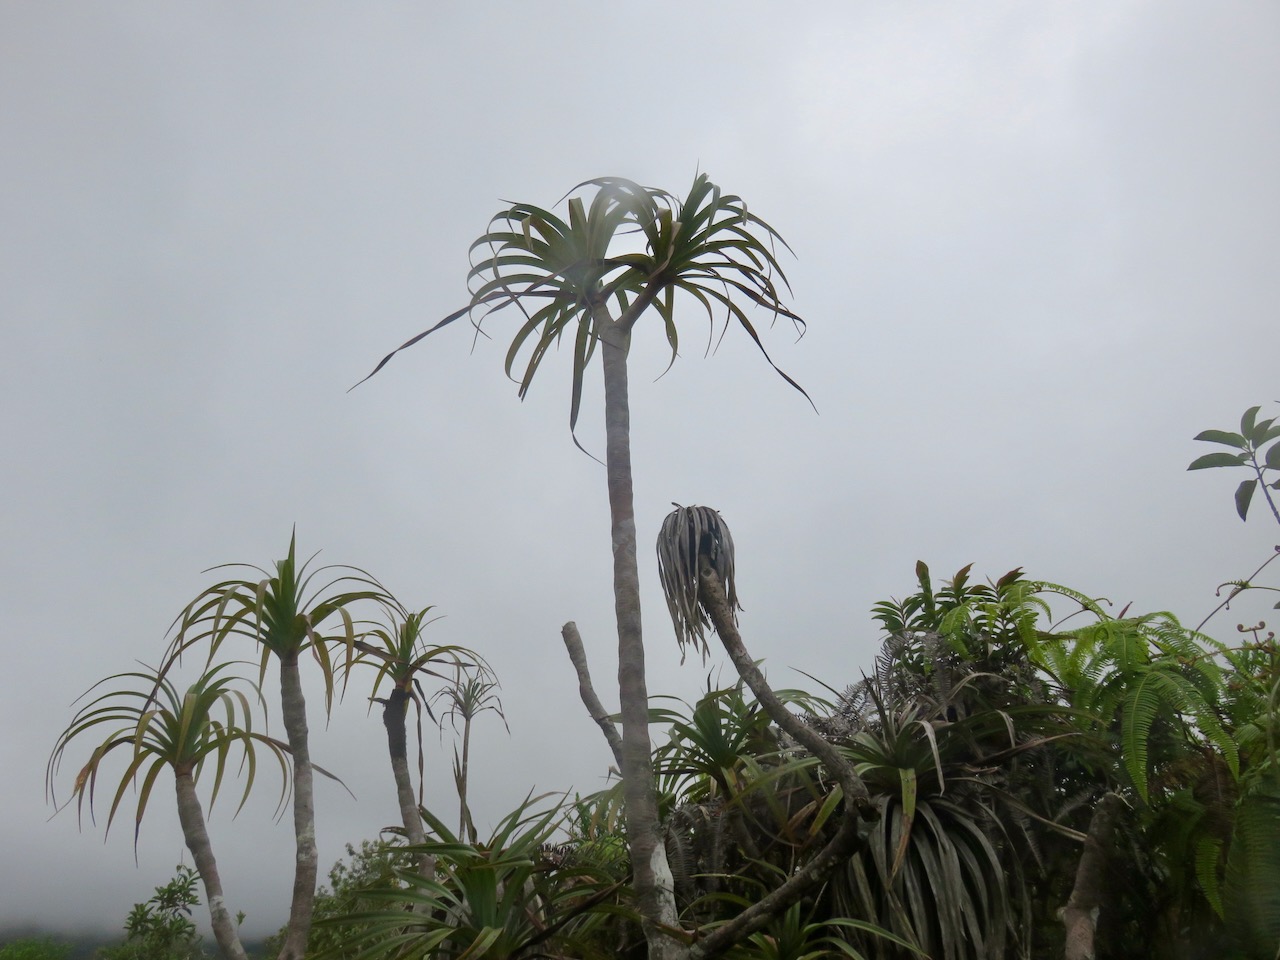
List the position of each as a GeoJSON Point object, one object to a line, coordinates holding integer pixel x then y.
{"type": "Point", "coordinates": [655, 889]}
{"type": "Point", "coordinates": [293, 708]}
{"type": "Point", "coordinates": [465, 829]}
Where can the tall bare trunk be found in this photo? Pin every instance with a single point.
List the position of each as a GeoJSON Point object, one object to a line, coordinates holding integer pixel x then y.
{"type": "Point", "coordinates": [394, 712]}
{"type": "Point", "coordinates": [655, 890]}
{"type": "Point", "coordinates": [191, 816]}
{"type": "Point", "coordinates": [1080, 916]}
{"type": "Point", "coordinates": [293, 707]}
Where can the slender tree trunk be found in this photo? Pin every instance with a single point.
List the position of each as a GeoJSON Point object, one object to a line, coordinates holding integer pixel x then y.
{"type": "Point", "coordinates": [842, 844]}
{"type": "Point", "coordinates": [711, 594]}
{"type": "Point", "coordinates": [1080, 916]}
{"type": "Point", "coordinates": [464, 815]}
{"type": "Point", "coordinates": [191, 816]}
{"type": "Point", "coordinates": [655, 889]}
{"type": "Point", "coordinates": [293, 707]}
{"type": "Point", "coordinates": [394, 712]}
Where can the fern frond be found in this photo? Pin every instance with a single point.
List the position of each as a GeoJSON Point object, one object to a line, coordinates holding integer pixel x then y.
{"type": "Point", "coordinates": [1087, 603]}
{"type": "Point", "coordinates": [1142, 703]}
{"type": "Point", "coordinates": [1208, 867]}
{"type": "Point", "coordinates": [1251, 895]}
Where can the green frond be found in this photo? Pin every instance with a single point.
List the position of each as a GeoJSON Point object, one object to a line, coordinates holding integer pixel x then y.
{"type": "Point", "coordinates": [1163, 687]}
{"type": "Point", "coordinates": [496, 899]}
{"type": "Point", "coordinates": [585, 273]}
{"type": "Point", "coordinates": [284, 612]}
{"type": "Point", "coordinates": [1086, 602]}
{"type": "Point", "coordinates": [471, 689]}
{"type": "Point", "coordinates": [1208, 854]}
{"type": "Point", "coordinates": [1251, 894]}
{"type": "Point", "coordinates": [1144, 699]}
{"type": "Point", "coordinates": [163, 729]}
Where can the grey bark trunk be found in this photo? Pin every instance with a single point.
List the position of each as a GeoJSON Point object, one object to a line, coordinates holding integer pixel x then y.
{"type": "Point", "coordinates": [1080, 916]}
{"type": "Point", "coordinates": [655, 890]}
{"type": "Point", "coordinates": [293, 707]}
{"type": "Point", "coordinates": [191, 816]}
{"type": "Point", "coordinates": [394, 713]}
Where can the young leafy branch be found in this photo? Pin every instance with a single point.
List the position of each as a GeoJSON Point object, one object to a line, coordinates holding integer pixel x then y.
{"type": "Point", "coordinates": [1253, 436]}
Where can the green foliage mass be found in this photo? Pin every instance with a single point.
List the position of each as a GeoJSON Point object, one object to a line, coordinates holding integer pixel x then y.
{"type": "Point", "coordinates": [35, 948]}
{"type": "Point", "coordinates": [986, 735]}
{"type": "Point", "coordinates": [162, 928]}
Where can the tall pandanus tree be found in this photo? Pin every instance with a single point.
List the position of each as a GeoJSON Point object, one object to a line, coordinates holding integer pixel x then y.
{"type": "Point", "coordinates": [471, 691]}
{"type": "Point", "coordinates": [624, 249]}
{"type": "Point", "coordinates": [402, 657]}
{"type": "Point", "coordinates": [286, 612]}
{"type": "Point", "coordinates": [159, 728]}
{"type": "Point", "coordinates": [696, 566]}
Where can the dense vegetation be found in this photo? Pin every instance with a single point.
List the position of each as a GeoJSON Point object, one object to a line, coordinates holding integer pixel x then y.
{"type": "Point", "coordinates": [1021, 773]}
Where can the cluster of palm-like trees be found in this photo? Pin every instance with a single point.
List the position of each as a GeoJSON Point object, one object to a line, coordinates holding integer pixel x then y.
{"type": "Point", "coordinates": [287, 612]}
{"type": "Point", "coordinates": [970, 664]}
{"type": "Point", "coordinates": [1009, 818]}
{"type": "Point", "coordinates": [938, 807]}
{"type": "Point", "coordinates": [585, 276]}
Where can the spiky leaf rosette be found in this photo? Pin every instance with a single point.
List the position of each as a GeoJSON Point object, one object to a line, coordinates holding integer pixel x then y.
{"type": "Point", "coordinates": [159, 726]}
{"type": "Point", "coordinates": [687, 533]}
{"type": "Point", "coordinates": [623, 249]}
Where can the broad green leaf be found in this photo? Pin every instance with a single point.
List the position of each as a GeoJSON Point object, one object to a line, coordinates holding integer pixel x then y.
{"type": "Point", "coordinates": [1218, 460]}
{"type": "Point", "coordinates": [1223, 437]}
{"type": "Point", "coordinates": [1258, 435]}
{"type": "Point", "coordinates": [1244, 493]}
{"type": "Point", "coordinates": [1247, 421]}
{"type": "Point", "coordinates": [1272, 460]}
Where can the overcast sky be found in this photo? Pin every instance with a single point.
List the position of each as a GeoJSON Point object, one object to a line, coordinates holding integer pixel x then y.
{"type": "Point", "coordinates": [1036, 245]}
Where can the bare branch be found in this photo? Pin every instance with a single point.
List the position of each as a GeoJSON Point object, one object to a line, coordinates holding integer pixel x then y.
{"type": "Point", "coordinates": [856, 800]}
{"type": "Point", "coordinates": [578, 657]}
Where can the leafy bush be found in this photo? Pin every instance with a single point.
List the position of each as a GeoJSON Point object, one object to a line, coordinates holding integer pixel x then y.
{"type": "Point", "coordinates": [35, 948]}
{"type": "Point", "coordinates": [162, 928]}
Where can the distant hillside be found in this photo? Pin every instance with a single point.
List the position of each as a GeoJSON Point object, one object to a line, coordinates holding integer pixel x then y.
{"type": "Point", "coordinates": [83, 945]}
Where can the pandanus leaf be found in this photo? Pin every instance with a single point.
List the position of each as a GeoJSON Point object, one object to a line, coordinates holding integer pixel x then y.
{"type": "Point", "coordinates": [586, 273]}
{"type": "Point", "coordinates": [687, 534]}
{"type": "Point", "coordinates": [165, 729]}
